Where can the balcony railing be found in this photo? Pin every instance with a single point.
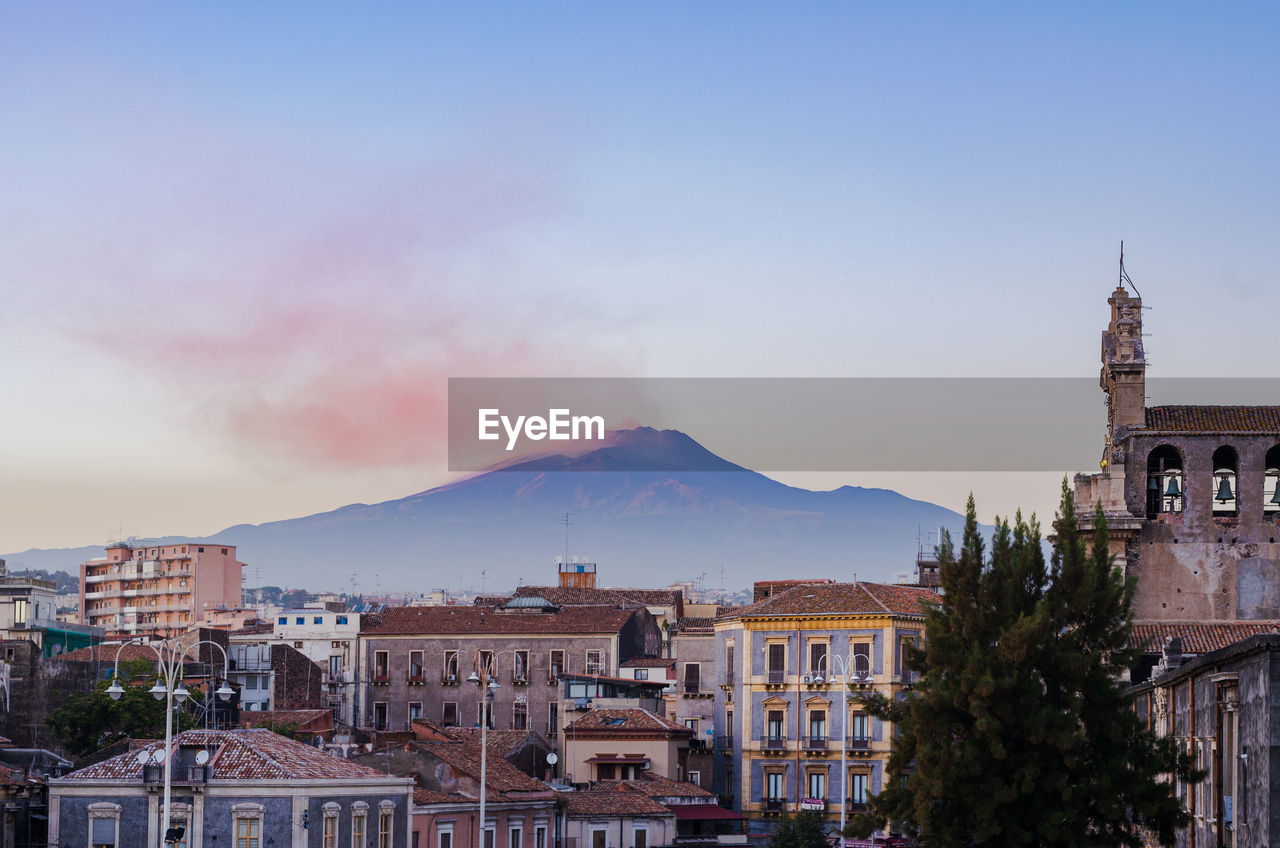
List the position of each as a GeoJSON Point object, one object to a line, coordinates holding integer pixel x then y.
{"type": "Point", "coordinates": [815, 742]}
{"type": "Point", "coordinates": [770, 742]}
{"type": "Point", "coordinates": [775, 803]}
{"type": "Point", "coordinates": [858, 743]}
{"type": "Point", "coordinates": [776, 675]}
{"type": "Point", "coordinates": [691, 689]}
{"type": "Point", "coordinates": [724, 743]}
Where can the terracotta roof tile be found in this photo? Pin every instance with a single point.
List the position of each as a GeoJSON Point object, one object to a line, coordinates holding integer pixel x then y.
{"type": "Point", "coordinates": [1213, 419]}
{"type": "Point", "coordinates": [107, 653]}
{"type": "Point", "coordinates": [648, 662]}
{"type": "Point", "coordinates": [309, 719]}
{"type": "Point", "coordinates": [470, 619]}
{"type": "Point", "coordinates": [697, 625]}
{"type": "Point", "coordinates": [561, 595]}
{"type": "Point", "coordinates": [1197, 637]}
{"type": "Point", "coordinates": [655, 785]}
{"type": "Point", "coordinates": [626, 721]}
{"type": "Point", "coordinates": [838, 599]}
{"type": "Point", "coordinates": [613, 802]}
{"type": "Point", "coordinates": [240, 755]}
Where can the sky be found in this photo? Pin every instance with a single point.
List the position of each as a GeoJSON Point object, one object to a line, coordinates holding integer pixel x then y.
{"type": "Point", "coordinates": [243, 246]}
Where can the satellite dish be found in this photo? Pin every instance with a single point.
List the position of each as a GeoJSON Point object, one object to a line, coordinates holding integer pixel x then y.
{"type": "Point", "coordinates": [552, 758]}
{"type": "Point", "coordinates": [157, 756]}
{"type": "Point", "coordinates": [143, 757]}
{"type": "Point", "coordinates": [202, 757]}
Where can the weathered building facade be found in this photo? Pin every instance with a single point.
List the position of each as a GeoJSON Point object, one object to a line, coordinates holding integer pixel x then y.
{"type": "Point", "coordinates": [1190, 493]}
{"type": "Point", "coordinates": [415, 661]}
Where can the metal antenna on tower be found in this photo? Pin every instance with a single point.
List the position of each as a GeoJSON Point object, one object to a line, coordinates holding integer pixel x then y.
{"type": "Point", "coordinates": [1124, 275]}
{"type": "Point", "coordinates": [567, 523]}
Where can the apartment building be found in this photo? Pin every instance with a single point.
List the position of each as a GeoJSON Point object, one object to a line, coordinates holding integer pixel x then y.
{"type": "Point", "coordinates": [783, 721]}
{"type": "Point", "coordinates": [157, 590]}
{"type": "Point", "coordinates": [415, 661]}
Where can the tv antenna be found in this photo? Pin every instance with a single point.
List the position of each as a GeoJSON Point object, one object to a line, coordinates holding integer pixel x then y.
{"type": "Point", "coordinates": [1124, 275]}
{"type": "Point", "coordinates": [567, 524]}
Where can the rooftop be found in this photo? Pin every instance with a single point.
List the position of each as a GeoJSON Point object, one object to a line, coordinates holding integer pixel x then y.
{"type": "Point", "coordinates": [1198, 637]}
{"type": "Point", "coordinates": [1213, 419]}
{"type": "Point", "coordinates": [585, 597]}
{"type": "Point", "coordinates": [471, 619]}
{"type": "Point", "coordinates": [630, 720]}
{"type": "Point", "coordinates": [838, 599]}
{"type": "Point", "coordinates": [613, 802]}
{"type": "Point", "coordinates": [249, 755]}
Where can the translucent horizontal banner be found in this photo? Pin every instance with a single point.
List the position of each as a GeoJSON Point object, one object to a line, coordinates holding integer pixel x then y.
{"type": "Point", "coordinates": [799, 424]}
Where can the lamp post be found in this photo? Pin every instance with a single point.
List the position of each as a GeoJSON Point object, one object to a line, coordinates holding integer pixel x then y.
{"type": "Point", "coordinates": [484, 674]}
{"type": "Point", "coordinates": [858, 674]}
{"type": "Point", "coordinates": [169, 659]}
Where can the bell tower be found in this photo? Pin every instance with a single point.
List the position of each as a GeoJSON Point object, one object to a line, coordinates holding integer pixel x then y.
{"type": "Point", "coordinates": [1124, 365]}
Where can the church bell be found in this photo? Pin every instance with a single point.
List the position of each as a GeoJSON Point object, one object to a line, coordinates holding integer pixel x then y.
{"type": "Point", "coordinates": [1224, 489]}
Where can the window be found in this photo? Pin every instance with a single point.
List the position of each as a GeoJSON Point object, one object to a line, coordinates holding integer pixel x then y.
{"type": "Point", "coordinates": [104, 824]}
{"type": "Point", "coordinates": [485, 662]}
{"type": "Point", "coordinates": [451, 666]}
{"type": "Point", "coordinates": [342, 619]}
{"type": "Point", "coordinates": [728, 664]}
{"type": "Point", "coordinates": [297, 644]}
{"type": "Point", "coordinates": [859, 729]}
{"type": "Point", "coordinates": [1226, 466]}
{"type": "Point", "coordinates": [513, 837]}
{"type": "Point", "coordinates": [415, 666]}
{"type": "Point", "coordinates": [598, 838]}
{"type": "Point", "coordinates": [900, 661]}
{"type": "Point", "coordinates": [557, 663]}
{"type": "Point", "coordinates": [817, 726]}
{"type": "Point", "coordinates": [386, 813]}
{"type": "Point", "coordinates": [20, 611]}
{"type": "Point", "coordinates": [817, 656]}
{"type": "Point", "coordinates": [380, 715]}
{"type": "Point", "coordinates": [519, 716]}
{"type": "Point", "coordinates": [640, 837]}
{"type": "Point", "coordinates": [282, 620]}
{"type": "Point", "coordinates": [1165, 485]}
{"type": "Point", "coordinates": [777, 667]}
{"type": "Point", "coordinates": [444, 836]}
{"type": "Point", "coordinates": [521, 672]}
{"type": "Point", "coordinates": [595, 662]}
{"type": "Point", "coordinates": [251, 682]}
{"type": "Point", "coordinates": [775, 786]}
{"type": "Point", "coordinates": [380, 665]}
{"type": "Point", "coordinates": [817, 785]}
{"type": "Point", "coordinates": [728, 726]}
{"type": "Point", "coordinates": [695, 777]}
{"type": "Point", "coordinates": [359, 818]}
{"type": "Point", "coordinates": [489, 837]}
{"type": "Point", "coordinates": [553, 715]}
{"type": "Point", "coordinates": [264, 681]}
{"type": "Point", "coordinates": [861, 659]}
{"type": "Point", "coordinates": [301, 620]}
{"type": "Point", "coordinates": [317, 620]}
{"type": "Point", "coordinates": [692, 677]}
{"type": "Point", "coordinates": [642, 674]}
{"type": "Point", "coordinates": [450, 716]}
{"type": "Point", "coordinates": [1271, 482]}
{"type": "Point", "coordinates": [415, 710]}
{"type": "Point", "coordinates": [335, 667]}
{"type": "Point", "coordinates": [776, 727]}
{"type": "Point", "coordinates": [330, 838]}
{"type": "Point", "coordinates": [540, 836]}
{"type": "Point", "coordinates": [248, 824]}
{"type": "Point", "coordinates": [858, 787]}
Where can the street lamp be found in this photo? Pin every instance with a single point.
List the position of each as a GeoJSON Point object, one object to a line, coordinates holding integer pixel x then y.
{"type": "Point", "coordinates": [484, 675]}
{"type": "Point", "coordinates": [169, 659]}
{"type": "Point", "coordinates": [858, 674]}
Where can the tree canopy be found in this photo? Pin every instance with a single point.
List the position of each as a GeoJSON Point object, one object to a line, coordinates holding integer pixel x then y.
{"type": "Point", "coordinates": [1020, 730]}
{"type": "Point", "coordinates": [89, 721]}
{"type": "Point", "coordinates": [806, 829]}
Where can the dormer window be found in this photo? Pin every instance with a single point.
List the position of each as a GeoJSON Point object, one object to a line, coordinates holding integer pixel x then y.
{"type": "Point", "coordinates": [1271, 483]}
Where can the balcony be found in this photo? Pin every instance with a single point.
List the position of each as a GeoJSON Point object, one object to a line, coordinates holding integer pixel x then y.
{"type": "Point", "coordinates": [815, 743]}
{"type": "Point", "coordinates": [858, 743]}
{"type": "Point", "coordinates": [415, 680]}
{"type": "Point", "coordinates": [724, 743]}
{"type": "Point", "coordinates": [775, 805]}
{"type": "Point", "coordinates": [776, 676]}
{"type": "Point", "coordinates": [773, 743]}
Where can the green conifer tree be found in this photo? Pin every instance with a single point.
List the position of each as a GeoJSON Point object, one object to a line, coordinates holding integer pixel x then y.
{"type": "Point", "coordinates": [1020, 730]}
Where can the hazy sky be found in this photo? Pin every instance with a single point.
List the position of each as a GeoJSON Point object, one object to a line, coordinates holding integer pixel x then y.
{"type": "Point", "coordinates": [242, 246]}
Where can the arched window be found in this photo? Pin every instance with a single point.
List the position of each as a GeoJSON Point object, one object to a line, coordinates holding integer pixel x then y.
{"type": "Point", "coordinates": [1164, 481]}
{"type": "Point", "coordinates": [1226, 466]}
{"type": "Point", "coordinates": [1271, 482]}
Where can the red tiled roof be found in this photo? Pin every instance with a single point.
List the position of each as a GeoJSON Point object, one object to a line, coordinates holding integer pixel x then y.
{"type": "Point", "coordinates": [611, 803]}
{"type": "Point", "coordinates": [626, 721]}
{"type": "Point", "coordinates": [657, 786]}
{"type": "Point", "coordinates": [838, 599]}
{"type": "Point", "coordinates": [305, 719]}
{"type": "Point", "coordinates": [425, 797]}
{"type": "Point", "coordinates": [463, 755]}
{"type": "Point", "coordinates": [1198, 637]}
{"type": "Point", "coordinates": [648, 662]}
{"type": "Point", "coordinates": [565, 596]}
{"type": "Point", "coordinates": [247, 755]}
{"type": "Point", "coordinates": [697, 625]}
{"type": "Point", "coordinates": [107, 653]}
{"type": "Point", "coordinates": [1213, 419]}
{"type": "Point", "coordinates": [460, 619]}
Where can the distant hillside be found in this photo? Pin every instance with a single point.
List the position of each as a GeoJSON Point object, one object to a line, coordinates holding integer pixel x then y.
{"type": "Point", "coordinates": [644, 527]}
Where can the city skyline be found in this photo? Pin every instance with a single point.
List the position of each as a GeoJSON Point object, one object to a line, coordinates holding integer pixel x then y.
{"type": "Point", "coordinates": [245, 247]}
